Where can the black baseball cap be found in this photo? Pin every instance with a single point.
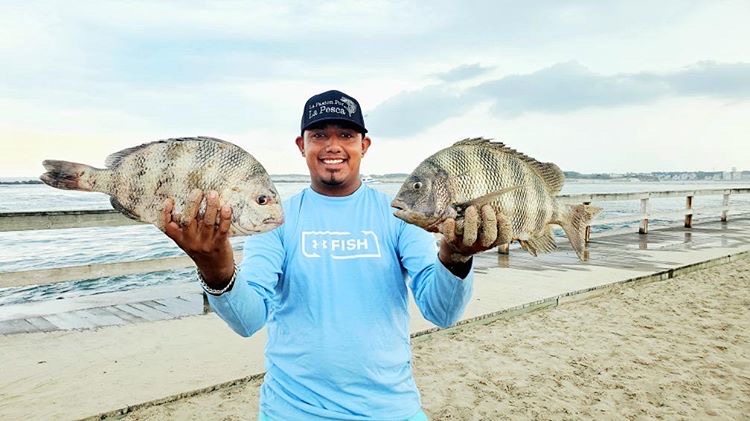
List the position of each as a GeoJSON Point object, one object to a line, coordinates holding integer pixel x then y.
{"type": "Point", "coordinates": [332, 106]}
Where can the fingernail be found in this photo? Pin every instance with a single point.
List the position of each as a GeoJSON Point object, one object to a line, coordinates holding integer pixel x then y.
{"type": "Point", "coordinates": [213, 195]}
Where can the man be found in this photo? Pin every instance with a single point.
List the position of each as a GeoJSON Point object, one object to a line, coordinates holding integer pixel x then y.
{"type": "Point", "coordinates": [330, 283]}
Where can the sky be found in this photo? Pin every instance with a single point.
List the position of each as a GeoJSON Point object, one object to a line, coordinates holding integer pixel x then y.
{"type": "Point", "coordinates": [593, 86]}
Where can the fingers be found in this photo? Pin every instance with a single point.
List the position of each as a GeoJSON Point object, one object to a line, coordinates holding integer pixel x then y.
{"type": "Point", "coordinates": [488, 233]}
{"type": "Point", "coordinates": [471, 226]}
{"type": "Point", "coordinates": [212, 208]}
{"type": "Point", "coordinates": [169, 227]}
{"type": "Point", "coordinates": [166, 213]}
{"type": "Point", "coordinates": [225, 220]}
{"type": "Point", "coordinates": [504, 233]}
{"type": "Point", "coordinates": [192, 207]}
{"type": "Point", "coordinates": [448, 229]}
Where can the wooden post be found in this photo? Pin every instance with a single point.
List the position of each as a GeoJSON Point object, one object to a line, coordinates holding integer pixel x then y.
{"type": "Point", "coordinates": [644, 219]}
{"type": "Point", "coordinates": [689, 208]}
{"type": "Point", "coordinates": [206, 306]}
{"type": "Point", "coordinates": [587, 235]}
{"type": "Point", "coordinates": [725, 204]}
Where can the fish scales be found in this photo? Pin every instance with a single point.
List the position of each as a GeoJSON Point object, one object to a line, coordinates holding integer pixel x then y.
{"type": "Point", "coordinates": [141, 178]}
{"type": "Point", "coordinates": [478, 172]}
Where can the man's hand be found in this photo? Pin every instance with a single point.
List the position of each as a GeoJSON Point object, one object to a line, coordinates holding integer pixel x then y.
{"type": "Point", "coordinates": [476, 233]}
{"type": "Point", "coordinates": [204, 238]}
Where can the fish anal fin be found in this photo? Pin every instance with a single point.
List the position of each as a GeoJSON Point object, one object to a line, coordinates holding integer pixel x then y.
{"type": "Point", "coordinates": [120, 208]}
{"type": "Point", "coordinates": [542, 242]}
{"type": "Point", "coordinates": [525, 246]}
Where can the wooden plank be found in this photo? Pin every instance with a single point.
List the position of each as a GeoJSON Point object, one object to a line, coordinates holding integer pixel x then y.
{"type": "Point", "coordinates": [69, 321]}
{"type": "Point", "coordinates": [102, 317]}
{"type": "Point", "coordinates": [142, 311]}
{"type": "Point", "coordinates": [93, 271]}
{"type": "Point", "coordinates": [72, 273]}
{"type": "Point", "coordinates": [179, 307]}
{"type": "Point", "coordinates": [42, 324]}
{"type": "Point", "coordinates": [23, 221]}
{"type": "Point", "coordinates": [124, 315]}
{"type": "Point", "coordinates": [8, 327]}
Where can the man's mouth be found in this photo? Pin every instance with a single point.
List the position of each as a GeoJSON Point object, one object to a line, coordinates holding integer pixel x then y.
{"type": "Point", "coordinates": [333, 161]}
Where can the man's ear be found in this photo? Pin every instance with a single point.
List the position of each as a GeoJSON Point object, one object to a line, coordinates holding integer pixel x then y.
{"type": "Point", "coordinates": [300, 144]}
{"type": "Point", "coordinates": [365, 144]}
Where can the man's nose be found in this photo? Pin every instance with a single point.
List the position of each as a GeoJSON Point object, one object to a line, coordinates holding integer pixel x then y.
{"type": "Point", "coordinates": [334, 143]}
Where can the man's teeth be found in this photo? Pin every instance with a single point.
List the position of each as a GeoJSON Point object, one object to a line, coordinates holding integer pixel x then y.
{"type": "Point", "coordinates": [333, 161]}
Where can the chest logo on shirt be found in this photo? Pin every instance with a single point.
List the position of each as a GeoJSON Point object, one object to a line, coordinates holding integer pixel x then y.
{"type": "Point", "coordinates": [340, 244]}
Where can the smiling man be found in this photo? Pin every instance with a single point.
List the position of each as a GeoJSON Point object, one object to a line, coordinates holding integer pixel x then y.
{"type": "Point", "coordinates": [331, 284]}
{"type": "Point", "coordinates": [333, 141]}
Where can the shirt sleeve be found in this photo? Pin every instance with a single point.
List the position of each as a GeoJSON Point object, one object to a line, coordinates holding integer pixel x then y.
{"type": "Point", "coordinates": [440, 295]}
{"type": "Point", "coordinates": [248, 305]}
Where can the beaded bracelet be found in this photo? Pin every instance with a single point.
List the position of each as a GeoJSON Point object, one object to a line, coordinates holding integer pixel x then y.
{"type": "Point", "coordinates": [213, 291]}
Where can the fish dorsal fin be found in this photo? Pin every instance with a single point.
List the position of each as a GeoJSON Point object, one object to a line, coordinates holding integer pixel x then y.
{"type": "Point", "coordinates": [114, 159]}
{"type": "Point", "coordinates": [551, 174]}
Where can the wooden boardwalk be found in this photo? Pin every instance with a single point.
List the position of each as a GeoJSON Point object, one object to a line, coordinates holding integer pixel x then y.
{"type": "Point", "coordinates": [93, 312]}
{"type": "Point", "coordinates": [618, 251]}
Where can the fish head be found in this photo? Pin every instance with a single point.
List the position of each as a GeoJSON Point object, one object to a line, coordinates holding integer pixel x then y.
{"type": "Point", "coordinates": [424, 199]}
{"type": "Point", "coordinates": [256, 207]}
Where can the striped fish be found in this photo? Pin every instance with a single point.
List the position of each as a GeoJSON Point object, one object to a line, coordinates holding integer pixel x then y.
{"type": "Point", "coordinates": [141, 178]}
{"type": "Point", "coordinates": [478, 172]}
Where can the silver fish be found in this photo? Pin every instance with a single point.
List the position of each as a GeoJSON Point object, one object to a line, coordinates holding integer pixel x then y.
{"type": "Point", "coordinates": [140, 178]}
{"type": "Point", "coordinates": [478, 172]}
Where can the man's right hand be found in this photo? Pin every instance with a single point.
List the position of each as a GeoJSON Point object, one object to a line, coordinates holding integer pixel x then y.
{"type": "Point", "coordinates": [204, 238]}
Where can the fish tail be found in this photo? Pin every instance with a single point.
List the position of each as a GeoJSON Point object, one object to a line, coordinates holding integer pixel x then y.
{"type": "Point", "coordinates": [69, 175]}
{"type": "Point", "coordinates": [574, 223]}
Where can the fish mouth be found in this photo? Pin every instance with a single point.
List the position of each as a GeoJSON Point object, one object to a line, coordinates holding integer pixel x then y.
{"type": "Point", "coordinates": [267, 224]}
{"type": "Point", "coordinates": [428, 223]}
{"type": "Point", "coordinates": [398, 204]}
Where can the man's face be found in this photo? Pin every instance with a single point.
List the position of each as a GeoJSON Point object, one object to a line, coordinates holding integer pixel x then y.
{"type": "Point", "coordinates": [333, 153]}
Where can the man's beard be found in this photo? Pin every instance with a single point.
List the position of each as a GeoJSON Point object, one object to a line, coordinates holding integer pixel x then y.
{"type": "Point", "coordinates": [332, 181]}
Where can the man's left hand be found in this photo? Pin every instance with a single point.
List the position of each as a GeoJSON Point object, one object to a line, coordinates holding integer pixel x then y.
{"type": "Point", "coordinates": [477, 232]}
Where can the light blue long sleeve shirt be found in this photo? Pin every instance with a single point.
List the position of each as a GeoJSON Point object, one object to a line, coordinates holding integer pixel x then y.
{"type": "Point", "coordinates": [330, 284]}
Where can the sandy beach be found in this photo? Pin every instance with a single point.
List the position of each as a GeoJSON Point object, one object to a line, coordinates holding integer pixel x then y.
{"type": "Point", "coordinates": [673, 349]}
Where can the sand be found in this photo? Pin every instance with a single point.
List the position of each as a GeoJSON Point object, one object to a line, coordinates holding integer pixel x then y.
{"type": "Point", "coordinates": [673, 349]}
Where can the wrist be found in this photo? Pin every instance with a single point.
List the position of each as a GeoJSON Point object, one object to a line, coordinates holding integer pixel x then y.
{"type": "Point", "coordinates": [218, 285]}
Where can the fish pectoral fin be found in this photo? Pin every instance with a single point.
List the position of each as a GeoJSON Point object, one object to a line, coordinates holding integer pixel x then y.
{"type": "Point", "coordinates": [543, 242]}
{"type": "Point", "coordinates": [487, 198]}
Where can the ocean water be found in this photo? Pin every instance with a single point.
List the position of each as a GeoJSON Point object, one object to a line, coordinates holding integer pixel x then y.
{"type": "Point", "coordinates": [43, 249]}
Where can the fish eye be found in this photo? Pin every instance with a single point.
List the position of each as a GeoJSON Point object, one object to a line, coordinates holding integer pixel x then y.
{"type": "Point", "coordinates": [417, 185]}
{"type": "Point", "coordinates": [263, 199]}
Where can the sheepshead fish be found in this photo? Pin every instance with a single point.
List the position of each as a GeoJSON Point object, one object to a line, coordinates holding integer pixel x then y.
{"type": "Point", "coordinates": [478, 172]}
{"type": "Point", "coordinates": [140, 178]}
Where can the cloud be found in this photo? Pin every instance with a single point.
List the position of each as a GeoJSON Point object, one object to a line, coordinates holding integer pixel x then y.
{"type": "Point", "coordinates": [563, 87]}
{"type": "Point", "coordinates": [463, 72]}
{"type": "Point", "coordinates": [708, 78]}
{"type": "Point", "coordinates": [566, 87]}
{"type": "Point", "coordinates": [410, 112]}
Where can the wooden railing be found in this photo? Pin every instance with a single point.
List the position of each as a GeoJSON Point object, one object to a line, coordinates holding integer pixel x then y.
{"type": "Point", "coordinates": [21, 221]}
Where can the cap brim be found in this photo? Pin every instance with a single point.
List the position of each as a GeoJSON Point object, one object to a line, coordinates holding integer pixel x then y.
{"type": "Point", "coordinates": [330, 119]}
